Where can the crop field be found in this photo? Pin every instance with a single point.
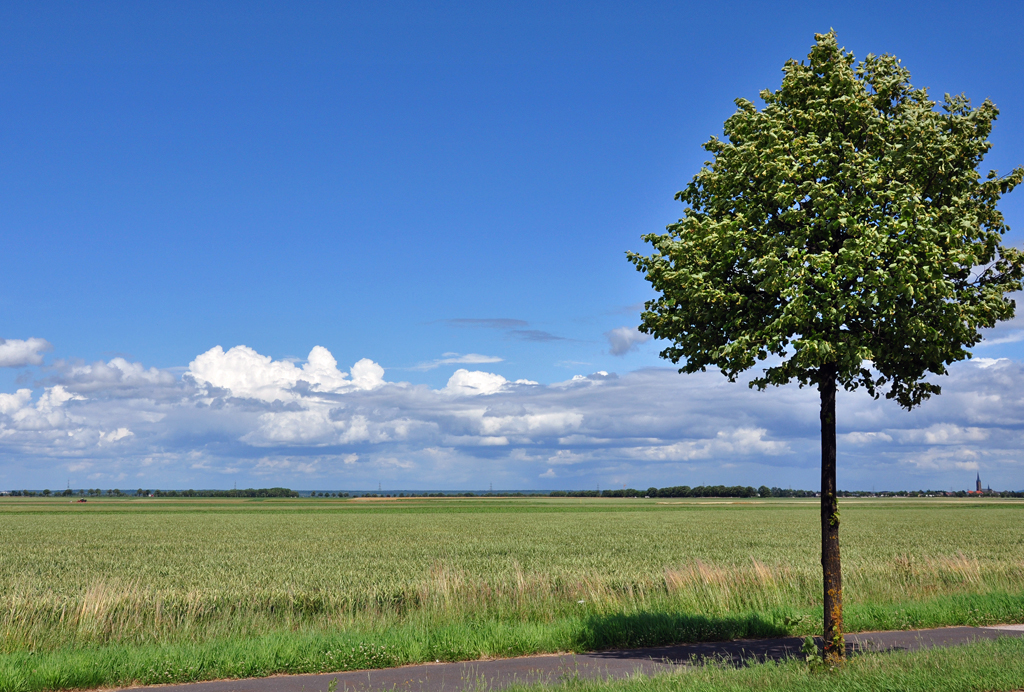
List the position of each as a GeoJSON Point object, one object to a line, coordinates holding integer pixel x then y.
{"type": "Point", "coordinates": [446, 578]}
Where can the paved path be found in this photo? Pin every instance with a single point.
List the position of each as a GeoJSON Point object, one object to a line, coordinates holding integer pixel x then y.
{"type": "Point", "coordinates": [499, 673]}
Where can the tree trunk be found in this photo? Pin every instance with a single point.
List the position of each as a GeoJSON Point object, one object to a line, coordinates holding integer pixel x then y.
{"type": "Point", "coordinates": [835, 646]}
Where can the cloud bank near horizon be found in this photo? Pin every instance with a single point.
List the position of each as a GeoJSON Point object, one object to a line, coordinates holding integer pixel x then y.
{"type": "Point", "coordinates": [237, 413]}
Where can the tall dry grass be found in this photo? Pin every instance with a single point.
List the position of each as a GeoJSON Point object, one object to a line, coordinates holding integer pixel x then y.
{"type": "Point", "coordinates": [116, 611]}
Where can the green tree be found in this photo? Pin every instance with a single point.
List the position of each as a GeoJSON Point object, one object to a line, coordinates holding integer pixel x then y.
{"type": "Point", "coordinates": [843, 234]}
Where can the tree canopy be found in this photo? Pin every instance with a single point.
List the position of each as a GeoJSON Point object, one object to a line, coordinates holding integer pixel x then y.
{"type": "Point", "coordinates": [844, 224]}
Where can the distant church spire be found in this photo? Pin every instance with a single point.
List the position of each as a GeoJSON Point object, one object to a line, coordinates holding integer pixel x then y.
{"type": "Point", "coordinates": [979, 482]}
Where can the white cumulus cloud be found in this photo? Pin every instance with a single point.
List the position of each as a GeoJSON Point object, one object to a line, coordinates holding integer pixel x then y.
{"type": "Point", "coordinates": [116, 377]}
{"type": "Point", "coordinates": [48, 413]}
{"type": "Point", "coordinates": [115, 435]}
{"type": "Point", "coordinates": [15, 353]}
{"type": "Point", "coordinates": [247, 374]}
{"type": "Point", "coordinates": [473, 382]}
{"type": "Point", "coordinates": [10, 403]}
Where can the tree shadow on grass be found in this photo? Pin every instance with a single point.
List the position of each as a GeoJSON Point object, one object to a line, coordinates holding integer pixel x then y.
{"type": "Point", "coordinates": [630, 631]}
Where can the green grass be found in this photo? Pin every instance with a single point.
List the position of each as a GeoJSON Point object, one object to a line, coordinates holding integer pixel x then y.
{"type": "Point", "coordinates": [995, 666]}
{"type": "Point", "coordinates": [90, 594]}
{"type": "Point", "coordinates": [319, 652]}
{"type": "Point", "coordinates": [982, 666]}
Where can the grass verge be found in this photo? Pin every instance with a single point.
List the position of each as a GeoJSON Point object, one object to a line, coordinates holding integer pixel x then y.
{"type": "Point", "coordinates": [989, 666]}
{"type": "Point", "coordinates": [121, 664]}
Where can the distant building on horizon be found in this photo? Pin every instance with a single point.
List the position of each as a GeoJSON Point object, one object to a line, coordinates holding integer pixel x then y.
{"type": "Point", "coordinates": [978, 490]}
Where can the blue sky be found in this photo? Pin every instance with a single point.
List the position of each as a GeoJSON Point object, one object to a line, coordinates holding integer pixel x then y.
{"type": "Point", "coordinates": [430, 187]}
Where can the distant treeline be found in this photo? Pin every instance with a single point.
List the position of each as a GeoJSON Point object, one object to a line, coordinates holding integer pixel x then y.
{"type": "Point", "coordinates": [765, 491]}
{"type": "Point", "coordinates": [97, 492]}
{"type": "Point", "coordinates": [494, 493]}
{"type": "Point", "coordinates": [248, 492]}
{"type": "Point", "coordinates": [673, 491]}
{"type": "Point", "coordinates": [931, 493]}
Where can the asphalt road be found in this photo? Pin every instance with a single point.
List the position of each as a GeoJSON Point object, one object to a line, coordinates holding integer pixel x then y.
{"type": "Point", "coordinates": [500, 673]}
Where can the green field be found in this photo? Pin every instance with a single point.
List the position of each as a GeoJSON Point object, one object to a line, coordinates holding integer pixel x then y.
{"type": "Point", "coordinates": [343, 584]}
